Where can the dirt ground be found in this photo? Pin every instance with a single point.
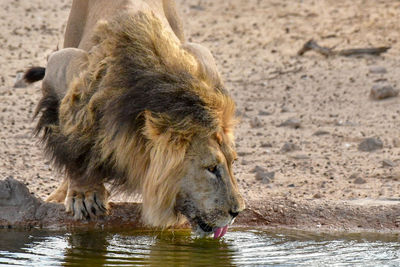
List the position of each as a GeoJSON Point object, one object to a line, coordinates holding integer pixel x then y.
{"type": "Point", "coordinates": [314, 163]}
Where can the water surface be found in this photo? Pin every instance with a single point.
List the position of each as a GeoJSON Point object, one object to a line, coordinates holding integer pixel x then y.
{"type": "Point", "coordinates": [241, 247]}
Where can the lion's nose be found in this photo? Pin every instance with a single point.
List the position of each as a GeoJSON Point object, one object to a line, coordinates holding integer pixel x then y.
{"type": "Point", "coordinates": [233, 214]}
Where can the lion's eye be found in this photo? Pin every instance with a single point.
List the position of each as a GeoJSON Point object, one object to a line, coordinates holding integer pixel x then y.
{"type": "Point", "coordinates": [213, 169]}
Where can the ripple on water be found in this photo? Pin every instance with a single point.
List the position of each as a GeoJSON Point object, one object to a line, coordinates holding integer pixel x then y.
{"type": "Point", "coordinates": [240, 247]}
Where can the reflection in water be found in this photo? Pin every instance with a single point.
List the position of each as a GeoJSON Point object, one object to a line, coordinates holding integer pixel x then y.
{"type": "Point", "coordinates": [183, 250]}
{"type": "Point", "coordinates": [150, 248]}
{"type": "Point", "coordinates": [86, 249]}
{"type": "Point", "coordinates": [249, 248]}
{"type": "Point", "coordinates": [31, 248]}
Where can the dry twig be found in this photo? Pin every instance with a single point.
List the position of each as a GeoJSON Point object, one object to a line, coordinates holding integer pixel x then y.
{"type": "Point", "coordinates": [312, 45]}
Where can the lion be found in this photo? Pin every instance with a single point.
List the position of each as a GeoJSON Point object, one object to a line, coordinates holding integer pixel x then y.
{"type": "Point", "coordinates": [128, 102]}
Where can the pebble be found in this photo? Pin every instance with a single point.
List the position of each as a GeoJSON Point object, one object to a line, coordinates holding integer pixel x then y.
{"type": "Point", "coordinates": [257, 169]}
{"type": "Point", "coordinates": [266, 145]}
{"type": "Point", "coordinates": [264, 113]}
{"type": "Point", "coordinates": [382, 91]}
{"type": "Point", "coordinates": [377, 70]}
{"type": "Point", "coordinates": [321, 132]}
{"type": "Point", "coordinates": [359, 180]}
{"type": "Point", "coordinates": [265, 177]}
{"type": "Point", "coordinates": [291, 123]}
{"type": "Point", "coordinates": [284, 110]}
{"type": "Point", "coordinates": [370, 144]}
{"type": "Point", "coordinates": [256, 122]}
{"type": "Point", "coordinates": [243, 153]}
{"type": "Point", "coordinates": [388, 163]}
{"type": "Point", "coordinates": [245, 162]}
{"type": "Point", "coordinates": [344, 123]}
{"type": "Point", "coordinates": [300, 156]}
{"type": "Point", "coordinates": [317, 196]}
{"type": "Point", "coordinates": [289, 147]}
{"type": "Point", "coordinates": [353, 176]}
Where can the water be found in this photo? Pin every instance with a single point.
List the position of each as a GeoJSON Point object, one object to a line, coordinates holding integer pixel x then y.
{"type": "Point", "coordinates": [241, 247]}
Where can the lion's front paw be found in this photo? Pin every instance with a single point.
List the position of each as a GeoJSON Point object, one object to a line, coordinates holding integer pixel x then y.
{"type": "Point", "coordinates": [87, 204]}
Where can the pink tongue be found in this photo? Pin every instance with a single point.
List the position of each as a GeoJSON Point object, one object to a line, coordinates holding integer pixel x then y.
{"type": "Point", "coordinates": [220, 231]}
{"type": "Point", "coordinates": [217, 232]}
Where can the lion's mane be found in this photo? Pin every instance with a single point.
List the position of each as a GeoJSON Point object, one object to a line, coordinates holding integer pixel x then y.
{"type": "Point", "coordinates": [130, 117]}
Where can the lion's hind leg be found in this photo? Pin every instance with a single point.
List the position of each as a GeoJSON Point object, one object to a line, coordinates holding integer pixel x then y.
{"type": "Point", "coordinates": [86, 202]}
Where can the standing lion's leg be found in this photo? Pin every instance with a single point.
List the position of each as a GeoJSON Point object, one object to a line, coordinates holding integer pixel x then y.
{"type": "Point", "coordinates": [60, 193]}
{"type": "Point", "coordinates": [86, 201]}
{"type": "Point", "coordinates": [174, 19]}
{"type": "Point", "coordinates": [76, 23]}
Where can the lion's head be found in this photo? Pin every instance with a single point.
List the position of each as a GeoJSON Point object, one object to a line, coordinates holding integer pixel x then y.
{"type": "Point", "coordinates": [208, 194]}
{"type": "Point", "coordinates": [190, 173]}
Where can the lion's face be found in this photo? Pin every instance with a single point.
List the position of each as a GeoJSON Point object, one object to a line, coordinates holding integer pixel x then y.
{"type": "Point", "coordinates": [209, 195]}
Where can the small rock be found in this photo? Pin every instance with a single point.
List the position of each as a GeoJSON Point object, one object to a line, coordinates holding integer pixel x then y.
{"type": "Point", "coordinates": [265, 177]}
{"type": "Point", "coordinates": [321, 132]}
{"type": "Point", "coordinates": [344, 123]}
{"type": "Point", "coordinates": [359, 180]}
{"type": "Point", "coordinates": [382, 91]}
{"type": "Point", "coordinates": [300, 156]}
{"type": "Point", "coordinates": [245, 162]}
{"type": "Point", "coordinates": [264, 113]}
{"type": "Point", "coordinates": [317, 196]}
{"type": "Point", "coordinates": [266, 145]}
{"type": "Point", "coordinates": [197, 7]}
{"type": "Point", "coordinates": [284, 110]}
{"type": "Point", "coordinates": [388, 163]}
{"type": "Point", "coordinates": [243, 153]}
{"type": "Point", "coordinates": [256, 123]}
{"type": "Point", "coordinates": [353, 176]}
{"type": "Point", "coordinates": [291, 185]}
{"type": "Point", "coordinates": [19, 81]}
{"type": "Point", "coordinates": [289, 147]}
{"type": "Point", "coordinates": [292, 123]}
{"type": "Point", "coordinates": [257, 169]}
{"type": "Point", "coordinates": [377, 70]}
{"type": "Point", "coordinates": [370, 144]}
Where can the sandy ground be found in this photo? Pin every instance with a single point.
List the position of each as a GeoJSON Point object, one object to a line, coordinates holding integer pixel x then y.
{"type": "Point", "coordinates": [255, 45]}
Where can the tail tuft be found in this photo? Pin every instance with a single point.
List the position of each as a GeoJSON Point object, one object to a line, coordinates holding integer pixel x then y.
{"type": "Point", "coordinates": [34, 74]}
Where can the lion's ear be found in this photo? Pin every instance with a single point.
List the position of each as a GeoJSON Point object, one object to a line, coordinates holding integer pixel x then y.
{"type": "Point", "coordinates": [162, 130]}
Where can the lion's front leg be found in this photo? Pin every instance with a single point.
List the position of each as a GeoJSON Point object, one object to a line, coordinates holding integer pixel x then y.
{"type": "Point", "coordinates": [86, 201]}
{"type": "Point", "coordinates": [58, 196]}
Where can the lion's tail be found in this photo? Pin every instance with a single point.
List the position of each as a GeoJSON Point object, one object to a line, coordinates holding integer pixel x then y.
{"type": "Point", "coordinates": [48, 105]}
{"type": "Point", "coordinates": [34, 74]}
